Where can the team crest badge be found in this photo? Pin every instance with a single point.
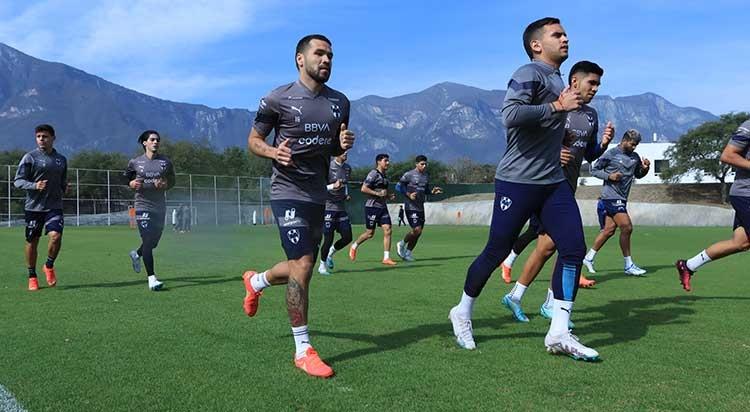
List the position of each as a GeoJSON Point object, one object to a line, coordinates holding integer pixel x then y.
{"type": "Point", "coordinates": [505, 203]}
{"type": "Point", "coordinates": [336, 111]}
{"type": "Point", "coordinates": [293, 236]}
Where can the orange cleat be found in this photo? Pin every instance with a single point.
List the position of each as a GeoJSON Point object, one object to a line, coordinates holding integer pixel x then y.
{"type": "Point", "coordinates": [252, 298]}
{"type": "Point", "coordinates": [583, 282]}
{"type": "Point", "coordinates": [352, 254]}
{"type": "Point", "coordinates": [33, 284]}
{"type": "Point", "coordinates": [313, 365]}
{"type": "Point", "coordinates": [51, 278]}
{"type": "Point", "coordinates": [506, 272]}
{"type": "Point", "coordinates": [389, 262]}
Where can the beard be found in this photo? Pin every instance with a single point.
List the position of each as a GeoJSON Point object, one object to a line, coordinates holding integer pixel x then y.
{"type": "Point", "coordinates": [315, 74]}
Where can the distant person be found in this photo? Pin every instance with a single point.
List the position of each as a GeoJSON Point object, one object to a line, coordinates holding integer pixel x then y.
{"type": "Point", "coordinates": [309, 123]}
{"type": "Point", "coordinates": [529, 181]}
{"type": "Point", "coordinates": [186, 220]}
{"type": "Point", "coordinates": [43, 173]}
{"type": "Point", "coordinates": [401, 215]}
{"type": "Point", "coordinates": [415, 185]}
{"type": "Point", "coordinates": [735, 154]}
{"type": "Point", "coordinates": [618, 167]}
{"type": "Point", "coordinates": [336, 219]}
{"type": "Point", "coordinates": [150, 175]}
{"type": "Point", "coordinates": [175, 214]}
{"type": "Point", "coordinates": [375, 187]}
{"type": "Point", "coordinates": [255, 217]}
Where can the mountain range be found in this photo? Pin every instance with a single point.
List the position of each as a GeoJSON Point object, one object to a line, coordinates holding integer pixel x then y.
{"type": "Point", "coordinates": [445, 122]}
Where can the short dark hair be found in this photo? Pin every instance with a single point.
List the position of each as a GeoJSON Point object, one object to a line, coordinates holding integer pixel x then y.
{"type": "Point", "coordinates": [420, 158]}
{"type": "Point", "coordinates": [304, 43]}
{"type": "Point", "coordinates": [145, 135]}
{"type": "Point", "coordinates": [632, 134]}
{"type": "Point", "coordinates": [45, 128]}
{"type": "Point", "coordinates": [532, 32]}
{"type": "Point", "coordinates": [585, 67]}
{"type": "Point", "coordinates": [381, 156]}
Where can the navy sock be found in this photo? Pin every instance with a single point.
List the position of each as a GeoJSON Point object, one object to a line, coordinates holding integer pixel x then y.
{"type": "Point", "coordinates": [32, 273]}
{"type": "Point", "coordinates": [50, 262]}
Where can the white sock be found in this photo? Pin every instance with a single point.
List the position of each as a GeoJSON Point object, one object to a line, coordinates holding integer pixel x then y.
{"type": "Point", "coordinates": [591, 254]}
{"type": "Point", "coordinates": [152, 279]}
{"type": "Point", "coordinates": [698, 260]}
{"type": "Point", "coordinates": [322, 263]}
{"type": "Point", "coordinates": [550, 298]}
{"type": "Point", "coordinates": [259, 281]}
{"type": "Point", "coordinates": [331, 251]}
{"type": "Point", "coordinates": [354, 245]}
{"type": "Point", "coordinates": [301, 340]}
{"type": "Point", "coordinates": [386, 255]}
{"type": "Point", "coordinates": [516, 294]}
{"type": "Point", "coordinates": [561, 310]}
{"type": "Point", "coordinates": [628, 261]}
{"type": "Point", "coordinates": [466, 306]}
{"type": "Point", "coordinates": [510, 259]}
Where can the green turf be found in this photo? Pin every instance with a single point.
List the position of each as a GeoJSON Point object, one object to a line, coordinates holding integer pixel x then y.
{"type": "Point", "coordinates": [101, 341]}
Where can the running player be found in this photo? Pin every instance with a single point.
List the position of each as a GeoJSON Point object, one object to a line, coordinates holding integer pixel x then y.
{"type": "Point", "coordinates": [736, 154]}
{"type": "Point", "coordinates": [618, 167]}
{"type": "Point", "coordinates": [336, 218]}
{"type": "Point", "coordinates": [150, 175]}
{"type": "Point", "coordinates": [414, 184]}
{"type": "Point", "coordinates": [43, 173]}
{"type": "Point", "coordinates": [581, 127]}
{"type": "Point", "coordinates": [375, 187]}
{"type": "Point", "coordinates": [529, 180]}
{"type": "Point", "coordinates": [309, 122]}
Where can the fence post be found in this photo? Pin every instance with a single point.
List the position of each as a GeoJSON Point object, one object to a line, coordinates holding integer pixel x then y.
{"type": "Point", "coordinates": [109, 216]}
{"type": "Point", "coordinates": [190, 186]}
{"type": "Point", "coordinates": [260, 194]}
{"type": "Point", "coordinates": [78, 200]}
{"type": "Point", "coordinates": [9, 214]}
{"type": "Point", "coordinates": [239, 203]}
{"type": "Point", "coordinates": [216, 205]}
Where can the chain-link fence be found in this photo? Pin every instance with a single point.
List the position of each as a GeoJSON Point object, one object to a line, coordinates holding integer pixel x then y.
{"type": "Point", "coordinates": [102, 197]}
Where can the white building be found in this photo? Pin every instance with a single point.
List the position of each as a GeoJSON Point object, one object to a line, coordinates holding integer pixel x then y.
{"type": "Point", "coordinates": [655, 153]}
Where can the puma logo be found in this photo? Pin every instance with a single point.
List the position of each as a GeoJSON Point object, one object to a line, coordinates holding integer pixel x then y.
{"type": "Point", "coordinates": [297, 109]}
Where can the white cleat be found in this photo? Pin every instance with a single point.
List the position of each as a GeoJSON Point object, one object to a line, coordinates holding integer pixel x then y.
{"type": "Point", "coordinates": [323, 269]}
{"type": "Point", "coordinates": [634, 270]}
{"type": "Point", "coordinates": [589, 265]}
{"type": "Point", "coordinates": [401, 249]}
{"type": "Point", "coordinates": [136, 261]}
{"type": "Point", "coordinates": [155, 284]}
{"type": "Point", "coordinates": [409, 257]}
{"type": "Point", "coordinates": [462, 330]}
{"type": "Point", "coordinates": [568, 344]}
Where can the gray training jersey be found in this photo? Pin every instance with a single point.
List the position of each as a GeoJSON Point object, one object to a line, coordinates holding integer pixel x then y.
{"type": "Point", "coordinates": [583, 125]}
{"type": "Point", "coordinates": [534, 132]}
{"type": "Point", "coordinates": [415, 182]}
{"type": "Point", "coordinates": [148, 171]}
{"type": "Point", "coordinates": [741, 139]}
{"type": "Point", "coordinates": [615, 160]}
{"type": "Point", "coordinates": [37, 165]}
{"type": "Point", "coordinates": [311, 122]}
{"type": "Point", "coordinates": [337, 197]}
{"type": "Point", "coordinates": [376, 181]}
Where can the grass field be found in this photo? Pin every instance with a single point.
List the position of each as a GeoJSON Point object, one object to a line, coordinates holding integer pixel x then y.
{"type": "Point", "coordinates": [101, 341]}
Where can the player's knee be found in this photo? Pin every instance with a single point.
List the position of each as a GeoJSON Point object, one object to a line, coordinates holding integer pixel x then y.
{"type": "Point", "coordinates": [743, 246]}
{"type": "Point", "coordinates": [55, 237]}
{"type": "Point", "coordinates": [626, 229]}
{"type": "Point", "coordinates": [346, 237]}
{"type": "Point", "coordinates": [417, 231]}
{"type": "Point", "coordinates": [387, 230]}
{"type": "Point", "coordinates": [609, 231]}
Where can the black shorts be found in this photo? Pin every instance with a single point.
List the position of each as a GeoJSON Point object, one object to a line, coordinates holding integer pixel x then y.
{"type": "Point", "coordinates": [376, 216]}
{"type": "Point", "coordinates": [300, 226]}
{"type": "Point", "coordinates": [51, 221]}
{"type": "Point", "coordinates": [150, 225]}
{"type": "Point", "coordinates": [336, 221]}
{"type": "Point", "coordinates": [416, 218]}
{"type": "Point", "coordinates": [741, 205]}
{"type": "Point", "coordinates": [610, 207]}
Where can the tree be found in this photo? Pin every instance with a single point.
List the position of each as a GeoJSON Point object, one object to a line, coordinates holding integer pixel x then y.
{"type": "Point", "coordinates": [698, 151]}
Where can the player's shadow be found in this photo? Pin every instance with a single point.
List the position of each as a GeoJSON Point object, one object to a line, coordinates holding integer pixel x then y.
{"type": "Point", "coordinates": [605, 275]}
{"type": "Point", "coordinates": [400, 339]}
{"type": "Point", "coordinates": [440, 258]}
{"type": "Point", "coordinates": [630, 320]}
{"type": "Point", "coordinates": [141, 281]}
{"type": "Point", "coordinates": [184, 282]}
{"type": "Point", "coordinates": [384, 268]}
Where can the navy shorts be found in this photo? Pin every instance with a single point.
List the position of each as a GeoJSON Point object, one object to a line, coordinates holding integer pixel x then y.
{"type": "Point", "coordinates": [150, 225]}
{"type": "Point", "coordinates": [300, 226]}
{"type": "Point", "coordinates": [610, 207]}
{"type": "Point", "coordinates": [416, 218]}
{"type": "Point", "coordinates": [376, 216]}
{"type": "Point", "coordinates": [51, 221]}
{"type": "Point", "coordinates": [535, 225]}
{"type": "Point", "coordinates": [741, 205]}
{"type": "Point", "coordinates": [336, 221]}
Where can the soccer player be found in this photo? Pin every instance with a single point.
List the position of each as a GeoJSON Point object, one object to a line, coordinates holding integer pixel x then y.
{"type": "Point", "coordinates": [581, 143]}
{"type": "Point", "coordinates": [414, 184]}
{"type": "Point", "coordinates": [618, 167]}
{"type": "Point", "coordinates": [43, 173]}
{"type": "Point", "coordinates": [736, 154]}
{"type": "Point", "coordinates": [336, 219]}
{"type": "Point", "coordinates": [309, 121]}
{"type": "Point", "coordinates": [150, 175]}
{"type": "Point", "coordinates": [401, 216]}
{"type": "Point", "coordinates": [375, 187]}
{"type": "Point", "coordinates": [529, 180]}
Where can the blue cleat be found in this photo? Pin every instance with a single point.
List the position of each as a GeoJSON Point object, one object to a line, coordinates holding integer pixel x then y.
{"type": "Point", "coordinates": [515, 308]}
{"type": "Point", "coordinates": [547, 314]}
{"type": "Point", "coordinates": [329, 263]}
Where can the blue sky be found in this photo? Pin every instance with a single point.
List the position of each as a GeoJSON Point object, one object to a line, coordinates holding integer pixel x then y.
{"type": "Point", "coordinates": [231, 52]}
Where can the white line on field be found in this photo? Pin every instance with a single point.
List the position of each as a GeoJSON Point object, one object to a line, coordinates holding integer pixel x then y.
{"type": "Point", "coordinates": [8, 402]}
